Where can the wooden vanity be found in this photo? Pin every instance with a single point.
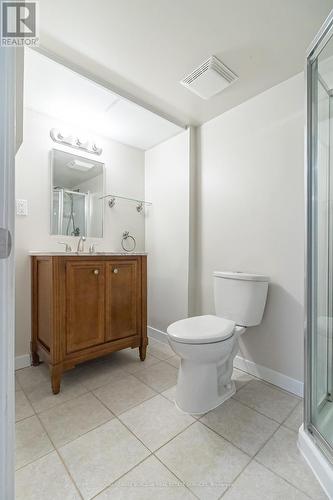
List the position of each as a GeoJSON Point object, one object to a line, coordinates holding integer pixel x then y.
{"type": "Point", "coordinates": [86, 306]}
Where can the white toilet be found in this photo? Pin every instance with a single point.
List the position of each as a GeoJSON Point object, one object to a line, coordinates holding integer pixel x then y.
{"type": "Point", "coordinates": [208, 344]}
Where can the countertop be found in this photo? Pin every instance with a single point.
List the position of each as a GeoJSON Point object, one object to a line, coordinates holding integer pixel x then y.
{"type": "Point", "coordinates": [87, 254]}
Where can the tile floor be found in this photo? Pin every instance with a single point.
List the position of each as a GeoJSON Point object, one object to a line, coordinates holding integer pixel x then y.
{"type": "Point", "coordinates": [114, 433]}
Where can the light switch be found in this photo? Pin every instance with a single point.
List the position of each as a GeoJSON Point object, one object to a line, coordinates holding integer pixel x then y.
{"type": "Point", "coordinates": [21, 207]}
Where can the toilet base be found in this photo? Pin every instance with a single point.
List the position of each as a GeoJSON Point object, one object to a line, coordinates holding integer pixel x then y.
{"type": "Point", "coordinates": [204, 386]}
{"type": "Point", "coordinates": [227, 395]}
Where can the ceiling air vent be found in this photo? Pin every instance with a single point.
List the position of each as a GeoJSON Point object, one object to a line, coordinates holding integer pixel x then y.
{"type": "Point", "coordinates": [210, 78]}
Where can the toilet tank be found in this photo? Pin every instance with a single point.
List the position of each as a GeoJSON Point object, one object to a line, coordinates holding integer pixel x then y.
{"type": "Point", "coordinates": [240, 297]}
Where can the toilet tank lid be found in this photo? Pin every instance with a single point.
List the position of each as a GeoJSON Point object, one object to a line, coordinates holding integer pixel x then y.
{"type": "Point", "coordinates": [234, 275]}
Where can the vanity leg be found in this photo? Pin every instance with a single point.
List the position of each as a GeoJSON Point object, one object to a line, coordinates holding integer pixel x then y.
{"type": "Point", "coordinates": [143, 351]}
{"type": "Point", "coordinates": [56, 374]}
{"type": "Point", "coordinates": [34, 355]}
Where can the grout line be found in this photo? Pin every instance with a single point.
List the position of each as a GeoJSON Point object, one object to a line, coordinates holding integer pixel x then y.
{"type": "Point", "coordinates": [252, 458]}
{"type": "Point", "coordinates": [65, 402]}
{"type": "Point", "coordinates": [35, 460]}
{"type": "Point", "coordinates": [127, 409]}
{"type": "Point", "coordinates": [255, 409]}
{"type": "Point", "coordinates": [174, 474]}
{"type": "Point", "coordinates": [152, 453]}
{"type": "Point", "coordinates": [84, 433]}
{"type": "Point", "coordinates": [61, 459]}
{"type": "Point", "coordinates": [25, 418]}
{"type": "Point", "coordinates": [56, 405]}
{"type": "Point", "coordinates": [114, 417]}
{"type": "Point", "coordinates": [227, 440]}
{"type": "Point", "coordinates": [284, 479]}
{"type": "Point", "coordinates": [120, 477]}
{"type": "Point", "coordinates": [266, 467]}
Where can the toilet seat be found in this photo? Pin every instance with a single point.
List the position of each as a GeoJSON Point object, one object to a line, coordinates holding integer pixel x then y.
{"type": "Point", "coordinates": [205, 329]}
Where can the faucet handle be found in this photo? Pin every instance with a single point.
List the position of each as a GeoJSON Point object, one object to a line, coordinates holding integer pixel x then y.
{"type": "Point", "coordinates": [92, 247]}
{"type": "Point", "coordinates": [68, 248]}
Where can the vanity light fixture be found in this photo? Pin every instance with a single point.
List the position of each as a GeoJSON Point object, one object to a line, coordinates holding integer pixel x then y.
{"type": "Point", "coordinates": [75, 142]}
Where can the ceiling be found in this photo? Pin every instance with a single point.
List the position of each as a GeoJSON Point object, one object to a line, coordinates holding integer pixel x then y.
{"type": "Point", "coordinates": [146, 46]}
{"type": "Point", "coordinates": [55, 90]}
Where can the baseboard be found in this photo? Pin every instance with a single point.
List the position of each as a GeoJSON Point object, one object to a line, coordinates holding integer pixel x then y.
{"type": "Point", "coordinates": [157, 334]}
{"type": "Point", "coordinates": [317, 462]}
{"type": "Point", "coordinates": [267, 374]}
{"type": "Point", "coordinates": [22, 361]}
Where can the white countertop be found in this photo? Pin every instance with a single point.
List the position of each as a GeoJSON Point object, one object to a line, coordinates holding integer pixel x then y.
{"type": "Point", "coordinates": [87, 254]}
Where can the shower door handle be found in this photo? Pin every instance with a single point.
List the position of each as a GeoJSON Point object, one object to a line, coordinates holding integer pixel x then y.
{"type": "Point", "coordinates": [5, 243]}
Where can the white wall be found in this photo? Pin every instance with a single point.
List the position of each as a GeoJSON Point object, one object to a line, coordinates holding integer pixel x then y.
{"type": "Point", "coordinates": [250, 215]}
{"type": "Point", "coordinates": [167, 231]}
{"type": "Point", "coordinates": [124, 176]}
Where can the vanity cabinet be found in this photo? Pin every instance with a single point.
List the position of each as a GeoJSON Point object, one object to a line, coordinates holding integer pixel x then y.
{"type": "Point", "coordinates": [84, 307]}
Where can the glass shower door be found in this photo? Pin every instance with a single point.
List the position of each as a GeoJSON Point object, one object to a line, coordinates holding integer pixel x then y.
{"type": "Point", "coordinates": [319, 304]}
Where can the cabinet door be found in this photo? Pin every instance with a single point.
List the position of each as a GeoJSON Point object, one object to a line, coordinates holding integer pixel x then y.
{"type": "Point", "coordinates": [85, 304]}
{"type": "Point", "coordinates": [123, 299]}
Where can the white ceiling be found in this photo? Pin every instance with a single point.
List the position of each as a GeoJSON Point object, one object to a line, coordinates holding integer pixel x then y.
{"type": "Point", "coordinates": [146, 46]}
{"type": "Point", "coordinates": [55, 90]}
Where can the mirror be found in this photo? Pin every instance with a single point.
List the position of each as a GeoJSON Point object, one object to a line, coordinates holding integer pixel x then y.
{"type": "Point", "coordinates": [77, 183]}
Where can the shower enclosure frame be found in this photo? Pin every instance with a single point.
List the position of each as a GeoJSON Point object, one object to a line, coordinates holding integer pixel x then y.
{"type": "Point", "coordinates": [321, 39]}
{"type": "Point", "coordinates": [61, 192]}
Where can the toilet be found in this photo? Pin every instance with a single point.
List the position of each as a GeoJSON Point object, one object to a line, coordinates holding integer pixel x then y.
{"type": "Point", "coordinates": [207, 345]}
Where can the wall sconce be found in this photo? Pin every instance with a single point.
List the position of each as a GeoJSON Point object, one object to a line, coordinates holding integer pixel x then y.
{"type": "Point", "coordinates": [75, 142]}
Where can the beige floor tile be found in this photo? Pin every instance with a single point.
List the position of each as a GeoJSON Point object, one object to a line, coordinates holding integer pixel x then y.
{"type": "Point", "coordinates": [42, 398]}
{"type": "Point", "coordinates": [256, 482]}
{"type": "Point", "coordinates": [160, 350]}
{"type": "Point", "coordinates": [123, 394]}
{"type": "Point", "coordinates": [267, 399]}
{"type": "Point", "coordinates": [295, 419]}
{"type": "Point", "coordinates": [98, 458]}
{"type": "Point", "coordinates": [148, 481]}
{"type": "Point", "coordinates": [32, 376]}
{"type": "Point", "coordinates": [31, 441]}
{"type": "Point", "coordinates": [155, 421]}
{"type": "Point", "coordinates": [245, 428]}
{"type": "Point", "coordinates": [281, 456]}
{"type": "Point", "coordinates": [240, 378]}
{"type": "Point", "coordinates": [159, 377]}
{"type": "Point", "coordinates": [174, 361]}
{"type": "Point", "coordinates": [206, 462]}
{"type": "Point", "coordinates": [45, 479]}
{"type": "Point", "coordinates": [66, 422]}
{"type": "Point", "coordinates": [17, 385]}
{"type": "Point", "coordinates": [23, 408]}
{"type": "Point", "coordinates": [170, 393]}
{"type": "Point", "coordinates": [129, 360]}
{"type": "Point", "coordinates": [98, 374]}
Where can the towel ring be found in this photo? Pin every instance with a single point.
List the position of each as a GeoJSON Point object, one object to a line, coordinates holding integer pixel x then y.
{"type": "Point", "coordinates": [127, 236]}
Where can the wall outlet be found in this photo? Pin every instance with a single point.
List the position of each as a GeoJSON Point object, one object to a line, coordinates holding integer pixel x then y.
{"type": "Point", "coordinates": [21, 207]}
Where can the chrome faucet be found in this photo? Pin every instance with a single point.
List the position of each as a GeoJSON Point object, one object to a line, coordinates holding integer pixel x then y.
{"type": "Point", "coordinates": [92, 248]}
{"type": "Point", "coordinates": [68, 248]}
{"type": "Point", "coordinates": [80, 245]}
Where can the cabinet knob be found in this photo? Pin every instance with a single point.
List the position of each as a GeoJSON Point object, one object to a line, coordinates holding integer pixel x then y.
{"type": "Point", "coordinates": [115, 271]}
{"type": "Point", "coordinates": [96, 271]}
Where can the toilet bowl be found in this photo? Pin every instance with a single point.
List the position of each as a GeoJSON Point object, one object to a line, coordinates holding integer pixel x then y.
{"type": "Point", "coordinates": [207, 345]}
